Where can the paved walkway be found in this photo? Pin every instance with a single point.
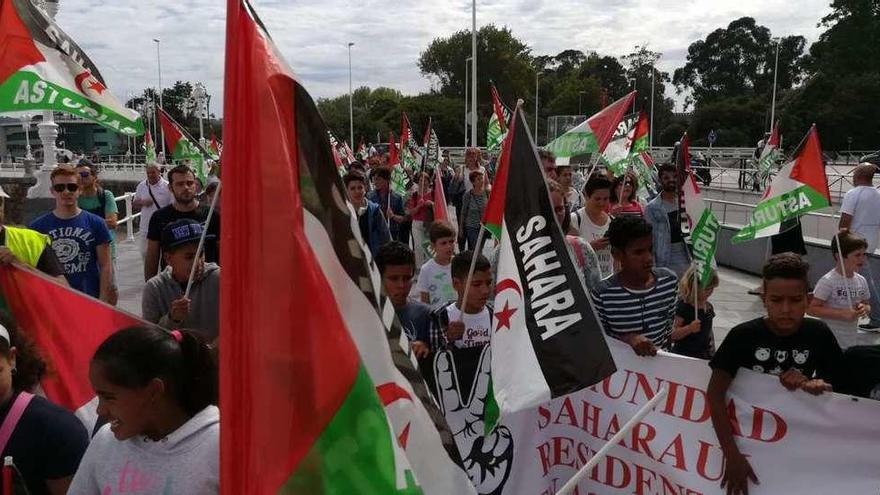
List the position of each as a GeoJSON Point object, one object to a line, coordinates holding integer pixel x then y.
{"type": "Point", "coordinates": [732, 303]}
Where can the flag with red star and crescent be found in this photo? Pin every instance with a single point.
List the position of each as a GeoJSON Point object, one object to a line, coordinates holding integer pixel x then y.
{"type": "Point", "coordinates": [546, 339]}
{"type": "Point", "coordinates": [42, 68]}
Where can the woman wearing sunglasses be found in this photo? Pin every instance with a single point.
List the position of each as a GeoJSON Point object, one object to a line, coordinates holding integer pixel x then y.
{"type": "Point", "coordinates": [81, 240]}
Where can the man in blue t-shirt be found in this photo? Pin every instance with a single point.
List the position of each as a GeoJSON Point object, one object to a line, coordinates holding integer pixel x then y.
{"type": "Point", "coordinates": [81, 240]}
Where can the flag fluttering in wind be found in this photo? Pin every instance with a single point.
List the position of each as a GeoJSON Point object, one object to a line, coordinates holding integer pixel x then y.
{"type": "Point", "coordinates": [592, 136]}
{"type": "Point", "coordinates": [335, 406]}
{"type": "Point", "coordinates": [770, 154]}
{"type": "Point", "coordinates": [409, 153]}
{"type": "Point", "coordinates": [546, 339]}
{"type": "Point", "coordinates": [703, 225]}
{"type": "Point", "coordinates": [800, 187]}
{"type": "Point", "coordinates": [440, 210]}
{"type": "Point", "coordinates": [399, 178]}
{"type": "Point", "coordinates": [42, 68]}
{"type": "Point", "coordinates": [497, 128]}
{"type": "Point", "coordinates": [337, 158]}
{"type": "Point", "coordinates": [183, 146]}
{"type": "Point", "coordinates": [45, 309]}
{"type": "Point", "coordinates": [432, 148]}
{"type": "Point", "coordinates": [215, 148]}
{"type": "Point", "coordinates": [149, 148]}
{"type": "Point", "coordinates": [618, 154]}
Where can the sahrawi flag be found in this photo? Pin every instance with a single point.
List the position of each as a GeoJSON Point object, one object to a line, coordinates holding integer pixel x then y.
{"type": "Point", "coordinates": [770, 154]}
{"type": "Point", "coordinates": [703, 224]}
{"type": "Point", "coordinates": [319, 395]}
{"type": "Point", "coordinates": [591, 136]}
{"type": "Point", "coordinates": [546, 339]}
{"type": "Point", "coordinates": [149, 148]}
{"type": "Point", "coordinates": [617, 155]}
{"type": "Point", "coordinates": [183, 146]}
{"type": "Point", "coordinates": [497, 128]}
{"type": "Point", "coordinates": [42, 68]}
{"type": "Point", "coordinates": [800, 187]}
{"type": "Point", "coordinates": [67, 327]}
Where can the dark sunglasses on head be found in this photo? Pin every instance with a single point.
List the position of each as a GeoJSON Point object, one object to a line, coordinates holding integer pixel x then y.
{"type": "Point", "coordinates": [62, 187]}
{"type": "Point", "coordinates": [85, 174]}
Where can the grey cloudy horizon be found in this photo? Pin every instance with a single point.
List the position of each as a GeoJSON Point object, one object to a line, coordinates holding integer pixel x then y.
{"type": "Point", "coordinates": [389, 36]}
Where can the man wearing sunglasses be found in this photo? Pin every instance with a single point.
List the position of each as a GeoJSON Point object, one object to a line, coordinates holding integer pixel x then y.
{"type": "Point", "coordinates": [80, 239]}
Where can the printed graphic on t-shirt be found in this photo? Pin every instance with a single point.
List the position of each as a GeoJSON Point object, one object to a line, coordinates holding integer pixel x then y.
{"type": "Point", "coordinates": [775, 361]}
{"type": "Point", "coordinates": [476, 334]}
{"type": "Point", "coordinates": [441, 289]}
{"type": "Point", "coordinates": [73, 248]}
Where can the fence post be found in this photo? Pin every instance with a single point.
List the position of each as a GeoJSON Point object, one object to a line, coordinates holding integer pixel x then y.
{"type": "Point", "coordinates": [129, 224]}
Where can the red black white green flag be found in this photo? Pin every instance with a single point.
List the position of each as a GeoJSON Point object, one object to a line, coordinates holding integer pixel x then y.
{"type": "Point", "coordinates": [320, 395]}
{"type": "Point", "coordinates": [42, 68]}
{"type": "Point", "coordinates": [546, 339]}
{"type": "Point", "coordinates": [43, 310]}
{"type": "Point", "coordinates": [591, 136]}
{"type": "Point", "coordinates": [183, 147]}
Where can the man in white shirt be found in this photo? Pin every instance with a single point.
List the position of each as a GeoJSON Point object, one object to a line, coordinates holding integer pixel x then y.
{"type": "Point", "coordinates": [858, 213]}
{"type": "Point", "coordinates": [150, 195]}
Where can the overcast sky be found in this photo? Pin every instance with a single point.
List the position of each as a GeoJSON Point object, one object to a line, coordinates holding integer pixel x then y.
{"type": "Point", "coordinates": [390, 35]}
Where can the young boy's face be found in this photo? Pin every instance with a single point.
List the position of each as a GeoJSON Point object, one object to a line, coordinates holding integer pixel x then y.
{"type": "Point", "coordinates": [785, 300]}
{"type": "Point", "coordinates": [478, 294]}
{"type": "Point", "coordinates": [637, 257]}
{"type": "Point", "coordinates": [598, 201]}
{"type": "Point", "coordinates": [397, 282]}
{"type": "Point", "coordinates": [444, 248]}
{"type": "Point", "coordinates": [855, 260]}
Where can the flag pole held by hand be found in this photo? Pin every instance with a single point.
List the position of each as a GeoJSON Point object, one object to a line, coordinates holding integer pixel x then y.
{"type": "Point", "coordinates": [598, 456]}
{"type": "Point", "coordinates": [192, 271]}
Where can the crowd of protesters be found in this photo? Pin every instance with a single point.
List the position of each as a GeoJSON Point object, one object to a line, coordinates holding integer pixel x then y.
{"type": "Point", "coordinates": [157, 386]}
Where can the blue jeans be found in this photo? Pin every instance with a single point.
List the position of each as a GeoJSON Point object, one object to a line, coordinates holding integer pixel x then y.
{"type": "Point", "coordinates": [472, 233]}
{"type": "Point", "coordinates": [868, 273]}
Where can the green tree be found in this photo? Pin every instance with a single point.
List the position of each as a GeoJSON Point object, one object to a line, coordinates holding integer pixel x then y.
{"type": "Point", "coordinates": [842, 92]}
{"type": "Point", "coordinates": [739, 61]}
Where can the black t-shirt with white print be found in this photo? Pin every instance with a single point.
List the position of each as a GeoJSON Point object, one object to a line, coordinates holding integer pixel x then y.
{"type": "Point", "coordinates": [812, 349]}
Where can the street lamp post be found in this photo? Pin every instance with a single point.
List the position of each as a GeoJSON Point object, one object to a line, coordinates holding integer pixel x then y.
{"type": "Point", "coordinates": [775, 72]}
{"type": "Point", "coordinates": [580, 101]}
{"type": "Point", "coordinates": [633, 86]}
{"type": "Point", "coordinates": [538, 73]}
{"type": "Point", "coordinates": [467, 68]}
{"type": "Point", "coordinates": [474, 73]}
{"type": "Point", "coordinates": [651, 123]}
{"type": "Point", "coordinates": [161, 104]}
{"type": "Point", "coordinates": [350, 99]}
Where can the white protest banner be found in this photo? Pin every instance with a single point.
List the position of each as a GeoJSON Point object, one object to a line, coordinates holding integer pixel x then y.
{"type": "Point", "coordinates": [796, 442]}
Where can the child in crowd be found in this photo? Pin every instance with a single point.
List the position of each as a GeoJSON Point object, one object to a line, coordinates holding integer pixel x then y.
{"type": "Point", "coordinates": [842, 294]}
{"type": "Point", "coordinates": [637, 304]}
{"type": "Point", "coordinates": [802, 352]}
{"type": "Point", "coordinates": [371, 220]}
{"type": "Point", "coordinates": [591, 222]}
{"type": "Point", "coordinates": [469, 330]}
{"type": "Point", "coordinates": [397, 266]}
{"type": "Point", "coordinates": [420, 208]}
{"type": "Point", "coordinates": [435, 276]}
{"type": "Point", "coordinates": [158, 390]}
{"type": "Point", "coordinates": [692, 336]}
{"type": "Point", "coordinates": [46, 442]}
{"type": "Point", "coordinates": [472, 207]}
{"type": "Point", "coordinates": [163, 300]}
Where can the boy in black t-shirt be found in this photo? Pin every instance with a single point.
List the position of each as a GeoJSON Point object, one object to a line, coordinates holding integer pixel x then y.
{"type": "Point", "coordinates": [803, 353]}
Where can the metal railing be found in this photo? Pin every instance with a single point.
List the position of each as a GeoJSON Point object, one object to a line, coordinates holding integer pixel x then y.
{"type": "Point", "coordinates": [128, 221]}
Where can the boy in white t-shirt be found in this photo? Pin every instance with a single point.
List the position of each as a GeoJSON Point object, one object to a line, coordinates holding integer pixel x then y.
{"type": "Point", "coordinates": [449, 328]}
{"type": "Point", "coordinates": [838, 296]}
{"type": "Point", "coordinates": [435, 277]}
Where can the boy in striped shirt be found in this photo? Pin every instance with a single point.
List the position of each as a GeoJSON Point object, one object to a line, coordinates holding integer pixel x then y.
{"type": "Point", "coordinates": [637, 304]}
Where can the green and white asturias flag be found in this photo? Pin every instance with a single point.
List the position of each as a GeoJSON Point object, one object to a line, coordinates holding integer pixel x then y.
{"type": "Point", "coordinates": [770, 154]}
{"type": "Point", "coordinates": [591, 136]}
{"type": "Point", "coordinates": [42, 68]}
{"type": "Point", "coordinates": [702, 222]}
{"type": "Point", "coordinates": [497, 128]}
{"type": "Point", "coordinates": [149, 148]}
{"type": "Point", "coordinates": [183, 147]}
{"type": "Point", "coordinates": [800, 187]}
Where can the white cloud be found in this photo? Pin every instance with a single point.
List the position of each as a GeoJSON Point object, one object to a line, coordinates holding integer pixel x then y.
{"type": "Point", "coordinates": [389, 35]}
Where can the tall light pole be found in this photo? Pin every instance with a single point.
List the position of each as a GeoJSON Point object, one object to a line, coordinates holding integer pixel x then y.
{"type": "Point", "coordinates": [538, 73]}
{"type": "Point", "coordinates": [161, 105]}
{"type": "Point", "coordinates": [651, 123]}
{"type": "Point", "coordinates": [633, 86]}
{"type": "Point", "coordinates": [467, 68]}
{"type": "Point", "coordinates": [580, 101]}
{"type": "Point", "coordinates": [775, 72]}
{"type": "Point", "coordinates": [474, 73]}
{"type": "Point", "coordinates": [350, 99]}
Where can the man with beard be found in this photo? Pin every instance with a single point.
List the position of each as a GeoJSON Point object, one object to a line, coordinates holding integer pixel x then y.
{"type": "Point", "coordinates": [670, 250]}
{"type": "Point", "coordinates": [182, 183]}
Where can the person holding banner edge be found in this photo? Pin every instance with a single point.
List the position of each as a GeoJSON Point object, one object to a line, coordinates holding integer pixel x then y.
{"type": "Point", "coordinates": [803, 353]}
